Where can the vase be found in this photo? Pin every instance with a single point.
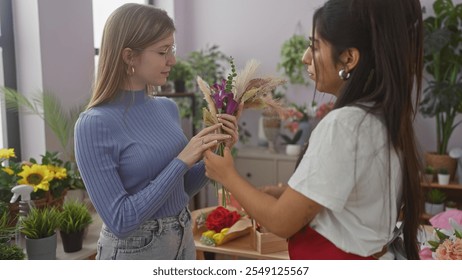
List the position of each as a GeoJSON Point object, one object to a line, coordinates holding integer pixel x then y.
{"type": "Point", "coordinates": [305, 127]}
{"type": "Point", "coordinates": [271, 127]}
{"type": "Point", "coordinates": [42, 248]}
{"type": "Point", "coordinates": [433, 209]}
{"type": "Point", "coordinates": [262, 141]}
{"type": "Point", "coordinates": [72, 242]}
{"type": "Point", "coordinates": [293, 149]}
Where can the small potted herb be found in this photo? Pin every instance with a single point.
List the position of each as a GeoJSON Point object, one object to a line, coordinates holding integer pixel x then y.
{"type": "Point", "coordinates": [74, 219]}
{"type": "Point", "coordinates": [180, 73]}
{"type": "Point", "coordinates": [429, 173]}
{"type": "Point", "coordinates": [443, 176]}
{"type": "Point", "coordinates": [435, 199]}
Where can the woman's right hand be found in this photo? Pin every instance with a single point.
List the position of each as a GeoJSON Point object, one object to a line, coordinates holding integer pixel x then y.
{"type": "Point", "coordinates": [206, 139]}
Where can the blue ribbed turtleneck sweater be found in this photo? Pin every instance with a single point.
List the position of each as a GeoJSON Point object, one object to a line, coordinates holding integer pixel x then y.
{"type": "Point", "coordinates": [126, 152]}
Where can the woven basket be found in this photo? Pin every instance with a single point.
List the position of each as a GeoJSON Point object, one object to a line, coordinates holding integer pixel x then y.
{"type": "Point", "coordinates": [441, 161]}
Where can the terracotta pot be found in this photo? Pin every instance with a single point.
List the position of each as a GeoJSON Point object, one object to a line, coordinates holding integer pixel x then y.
{"type": "Point", "coordinates": [441, 161]}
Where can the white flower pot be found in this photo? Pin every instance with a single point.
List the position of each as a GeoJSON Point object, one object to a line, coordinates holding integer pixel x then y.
{"type": "Point", "coordinates": [293, 149]}
{"type": "Point", "coordinates": [443, 179]}
{"type": "Point", "coordinates": [433, 209]}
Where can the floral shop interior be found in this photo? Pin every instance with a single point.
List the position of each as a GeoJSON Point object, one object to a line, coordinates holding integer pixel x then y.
{"type": "Point", "coordinates": [49, 56]}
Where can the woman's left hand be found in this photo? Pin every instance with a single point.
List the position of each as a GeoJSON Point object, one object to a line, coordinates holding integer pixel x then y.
{"type": "Point", "coordinates": [219, 168]}
{"type": "Point", "coordinates": [230, 126]}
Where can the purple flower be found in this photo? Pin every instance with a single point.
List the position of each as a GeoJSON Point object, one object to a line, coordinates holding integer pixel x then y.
{"type": "Point", "coordinates": [219, 94]}
{"type": "Point", "coordinates": [231, 104]}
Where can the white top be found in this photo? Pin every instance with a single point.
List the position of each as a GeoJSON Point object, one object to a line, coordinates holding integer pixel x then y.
{"type": "Point", "coordinates": [346, 170]}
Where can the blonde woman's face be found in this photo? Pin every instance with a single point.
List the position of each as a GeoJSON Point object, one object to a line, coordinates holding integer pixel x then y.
{"type": "Point", "coordinates": [325, 72]}
{"type": "Point", "coordinates": [154, 63]}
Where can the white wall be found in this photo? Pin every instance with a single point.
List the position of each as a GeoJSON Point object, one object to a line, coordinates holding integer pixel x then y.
{"type": "Point", "coordinates": [54, 52]}
{"type": "Point", "coordinates": [256, 29]}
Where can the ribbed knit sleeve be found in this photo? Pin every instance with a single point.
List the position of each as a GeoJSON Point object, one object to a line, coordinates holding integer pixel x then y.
{"type": "Point", "coordinates": [195, 179]}
{"type": "Point", "coordinates": [128, 163]}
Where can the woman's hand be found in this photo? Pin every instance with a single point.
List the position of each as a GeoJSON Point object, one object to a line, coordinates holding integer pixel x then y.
{"type": "Point", "coordinates": [230, 126]}
{"type": "Point", "coordinates": [206, 139]}
{"type": "Point", "coordinates": [219, 168]}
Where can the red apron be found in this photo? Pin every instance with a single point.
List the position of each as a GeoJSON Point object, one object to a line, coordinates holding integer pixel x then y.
{"type": "Point", "coordinates": [307, 244]}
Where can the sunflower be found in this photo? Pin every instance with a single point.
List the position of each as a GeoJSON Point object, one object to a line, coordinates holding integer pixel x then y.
{"type": "Point", "coordinates": [37, 176]}
{"type": "Point", "coordinates": [7, 153]}
{"type": "Point", "coordinates": [57, 172]}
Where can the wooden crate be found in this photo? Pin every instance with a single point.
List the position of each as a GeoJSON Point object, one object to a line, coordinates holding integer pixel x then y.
{"type": "Point", "coordinates": [266, 242]}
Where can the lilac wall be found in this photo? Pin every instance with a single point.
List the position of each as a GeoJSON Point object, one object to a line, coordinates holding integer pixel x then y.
{"type": "Point", "coordinates": [256, 29]}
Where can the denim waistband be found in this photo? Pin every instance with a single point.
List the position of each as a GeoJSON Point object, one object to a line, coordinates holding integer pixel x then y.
{"type": "Point", "coordinates": [182, 218]}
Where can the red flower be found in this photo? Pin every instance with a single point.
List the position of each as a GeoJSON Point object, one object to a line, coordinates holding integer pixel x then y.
{"type": "Point", "coordinates": [221, 218]}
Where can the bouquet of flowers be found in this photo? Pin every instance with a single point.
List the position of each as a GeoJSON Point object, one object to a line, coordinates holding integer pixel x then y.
{"type": "Point", "coordinates": [446, 243]}
{"type": "Point", "coordinates": [222, 225]}
{"type": "Point", "coordinates": [242, 87]}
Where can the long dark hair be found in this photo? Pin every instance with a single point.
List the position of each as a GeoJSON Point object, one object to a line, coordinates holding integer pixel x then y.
{"type": "Point", "coordinates": [388, 35]}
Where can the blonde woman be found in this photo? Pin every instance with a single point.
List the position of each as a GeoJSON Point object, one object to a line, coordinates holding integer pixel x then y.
{"type": "Point", "coordinates": [138, 167]}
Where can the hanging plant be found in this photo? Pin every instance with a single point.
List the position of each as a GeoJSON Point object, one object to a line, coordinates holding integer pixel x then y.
{"type": "Point", "coordinates": [291, 60]}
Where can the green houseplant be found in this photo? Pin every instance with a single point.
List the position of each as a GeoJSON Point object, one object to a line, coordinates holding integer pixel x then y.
{"type": "Point", "coordinates": [8, 251]}
{"type": "Point", "coordinates": [39, 228]}
{"type": "Point", "coordinates": [291, 59]}
{"type": "Point", "coordinates": [180, 73]}
{"type": "Point", "coordinates": [435, 199]}
{"type": "Point", "coordinates": [48, 107]}
{"type": "Point", "coordinates": [74, 218]}
{"type": "Point", "coordinates": [442, 97]}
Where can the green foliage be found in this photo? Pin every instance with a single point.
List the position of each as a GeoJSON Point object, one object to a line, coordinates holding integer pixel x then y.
{"type": "Point", "coordinates": [291, 63]}
{"type": "Point", "coordinates": [292, 140]}
{"type": "Point", "coordinates": [11, 252]}
{"type": "Point", "coordinates": [442, 98]}
{"type": "Point", "coordinates": [436, 196]}
{"type": "Point", "coordinates": [6, 231]}
{"type": "Point", "coordinates": [429, 169]}
{"type": "Point", "coordinates": [40, 223]}
{"type": "Point", "coordinates": [75, 216]}
{"type": "Point", "coordinates": [443, 171]}
{"type": "Point", "coordinates": [181, 71]}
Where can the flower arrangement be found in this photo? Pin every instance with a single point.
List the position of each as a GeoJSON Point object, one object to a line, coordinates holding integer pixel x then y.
{"type": "Point", "coordinates": [242, 87]}
{"type": "Point", "coordinates": [293, 116]}
{"type": "Point", "coordinates": [51, 177]}
{"type": "Point", "coordinates": [222, 225]}
{"type": "Point", "coordinates": [446, 245]}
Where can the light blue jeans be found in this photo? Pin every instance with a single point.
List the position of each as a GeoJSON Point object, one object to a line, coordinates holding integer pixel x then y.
{"type": "Point", "coordinates": [168, 238]}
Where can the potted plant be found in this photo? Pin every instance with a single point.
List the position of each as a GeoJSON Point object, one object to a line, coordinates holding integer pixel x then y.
{"type": "Point", "coordinates": [442, 98]}
{"type": "Point", "coordinates": [435, 201]}
{"type": "Point", "coordinates": [8, 250]}
{"type": "Point", "coordinates": [75, 217]}
{"type": "Point", "coordinates": [39, 228]}
{"type": "Point", "coordinates": [443, 176]}
{"type": "Point", "coordinates": [180, 73]}
{"type": "Point", "coordinates": [450, 205]}
{"type": "Point", "coordinates": [291, 59]}
{"type": "Point", "coordinates": [429, 173]}
{"type": "Point", "coordinates": [292, 148]}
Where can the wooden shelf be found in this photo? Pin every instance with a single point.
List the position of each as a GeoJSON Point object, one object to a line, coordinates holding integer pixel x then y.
{"type": "Point", "coordinates": [452, 185]}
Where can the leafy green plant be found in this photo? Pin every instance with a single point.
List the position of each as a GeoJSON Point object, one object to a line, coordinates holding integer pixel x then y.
{"type": "Point", "coordinates": [442, 97]}
{"type": "Point", "coordinates": [11, 252]}
{"type": "Point", "coordinates": [6, 231]}
{"type": "Point", "coordinates": [443, 171]}
{"type": "Point", "coordinates": [436, 196]}
{"type": "Point", "coordinates": [291, 59]}
{"type": "Point", "coordinates": [429, 170]}
{"type": "Point", "coordinates": [75, 216]}
{"type": "Point", "coordinates": [181, 71]}
{"type": "Point", "coordinates": [292, 140]}
{"type": "Point", "coordinates": [40, 223]}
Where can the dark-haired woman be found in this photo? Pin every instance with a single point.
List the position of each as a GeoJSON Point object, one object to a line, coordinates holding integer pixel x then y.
{"type": "Point", "coordinates": [361, 166]}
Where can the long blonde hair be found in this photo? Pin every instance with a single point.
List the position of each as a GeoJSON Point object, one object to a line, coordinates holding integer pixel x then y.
{"type": "Point", "coordinates": [133, 26]}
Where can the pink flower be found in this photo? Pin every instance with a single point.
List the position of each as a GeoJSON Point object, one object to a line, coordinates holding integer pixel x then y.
{"type": "Point", "coordinates": [426, 254]}
{"type": "Point", "coordinates": [450, 250]}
